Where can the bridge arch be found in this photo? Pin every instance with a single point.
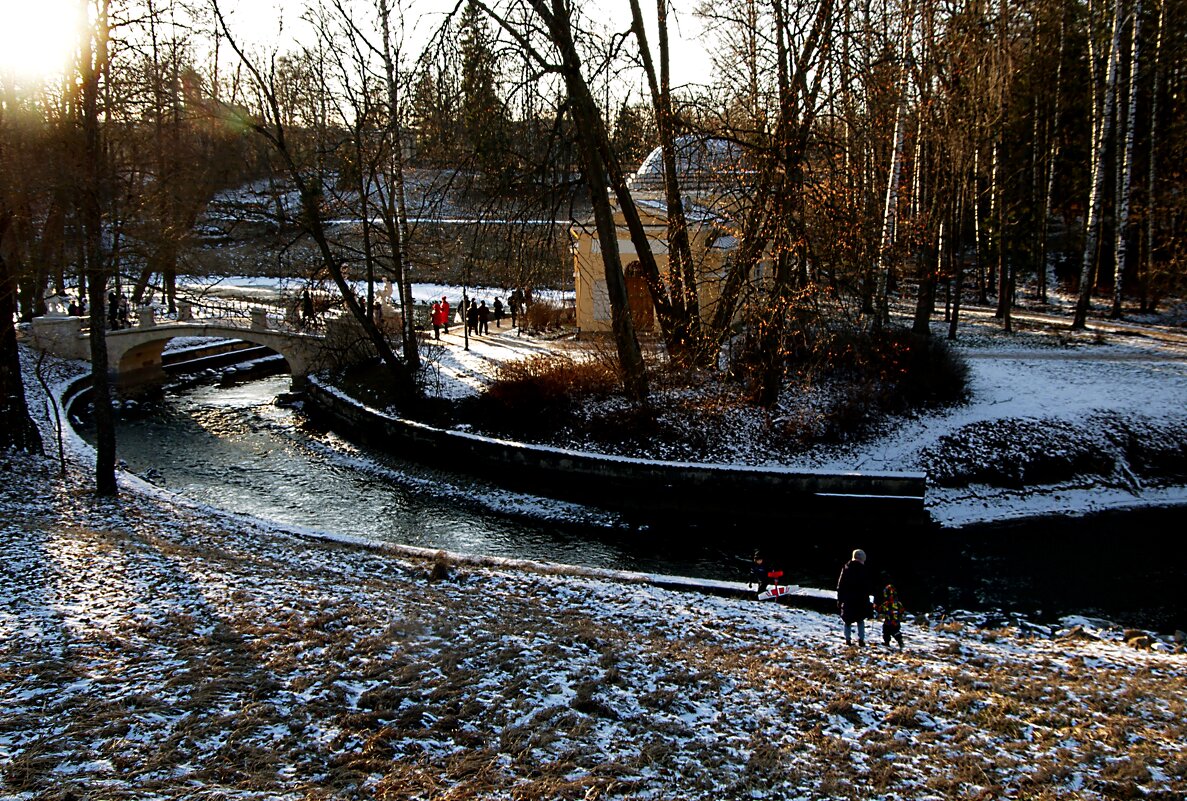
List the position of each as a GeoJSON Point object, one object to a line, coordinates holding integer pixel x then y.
{"type": "Point", "coordinates": [134, 354]}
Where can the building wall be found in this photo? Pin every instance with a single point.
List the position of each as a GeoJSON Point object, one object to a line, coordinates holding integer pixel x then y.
{"type": "Point", "coordinates": [592, 301]}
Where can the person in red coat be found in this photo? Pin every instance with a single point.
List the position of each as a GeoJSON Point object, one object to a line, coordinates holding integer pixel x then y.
{"type": "Point", "coordinates": [435, 319]}
{"type": "Point", "coordinates": [854, 589]}
{"type": "Point", "coordinates": [444, 314]}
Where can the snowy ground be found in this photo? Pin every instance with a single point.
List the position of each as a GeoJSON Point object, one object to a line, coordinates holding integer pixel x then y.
{"type": "Point", "coordinates": [154, 649]}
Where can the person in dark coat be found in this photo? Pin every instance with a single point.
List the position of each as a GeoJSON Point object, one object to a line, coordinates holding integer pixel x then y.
{"type": "Point", "coordinates": [306, 307]}
{"type": "Point", "coordinates": [854, 588]}
{"type": "Point", "coordinates": [758, 572]}
{"type": "Point", "coordinates": [483, 318]}
{"type": "Point", "coordinates": [471, 318]}
{"type": "Point", "coordinates": [498, 310]}
{"type": "Point", "coordinates": [513, 304]}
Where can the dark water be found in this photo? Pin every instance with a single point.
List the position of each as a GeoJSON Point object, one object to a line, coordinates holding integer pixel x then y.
{"type": "Point", "coordinates": [233, 448]}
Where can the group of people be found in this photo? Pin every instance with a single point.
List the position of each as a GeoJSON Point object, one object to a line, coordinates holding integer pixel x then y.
{"type": "Point", "coordinates": [477, 316]}
{"type": "Point", "coordinates": [117, 311]}
{"type": "Point", "coordinates": [858, 598]}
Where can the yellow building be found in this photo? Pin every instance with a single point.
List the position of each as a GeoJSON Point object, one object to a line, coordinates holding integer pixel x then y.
{"type": "Point", "coordinates": [713, 183]}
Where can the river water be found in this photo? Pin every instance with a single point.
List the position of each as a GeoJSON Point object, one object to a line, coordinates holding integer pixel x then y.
{"type": "Point", "coordinates": [234, 448]}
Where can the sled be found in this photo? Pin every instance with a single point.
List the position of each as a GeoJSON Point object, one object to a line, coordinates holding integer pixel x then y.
{"type": "Point", "coordinates": [773, 592]}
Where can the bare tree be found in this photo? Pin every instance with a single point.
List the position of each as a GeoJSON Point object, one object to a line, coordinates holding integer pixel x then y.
{"type": "Point", "coordinates": [273, 128]}
{"type": "Point", "coordinates": [601, 163]}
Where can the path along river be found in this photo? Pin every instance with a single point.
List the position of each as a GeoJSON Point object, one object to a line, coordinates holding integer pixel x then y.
{"type": "Point", "coordinates": [234, 448]}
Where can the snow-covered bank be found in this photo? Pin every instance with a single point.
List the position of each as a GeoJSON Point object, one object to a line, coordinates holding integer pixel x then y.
{"type": "Point", "coordinates": [1067, 397]}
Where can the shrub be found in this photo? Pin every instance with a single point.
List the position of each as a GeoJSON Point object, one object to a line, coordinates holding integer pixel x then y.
{"type": "Point", "coordinates": [850, 378]}
{"type": "Point", "coordinates": [900, 369]}
{"type": "Point", "coordinates": [539, 394]}
{"type": "Point", "coordinates": [543, 315]}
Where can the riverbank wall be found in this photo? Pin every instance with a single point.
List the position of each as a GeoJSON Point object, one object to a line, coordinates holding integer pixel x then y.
{"type": "Point", "coordinates": [645, 488]}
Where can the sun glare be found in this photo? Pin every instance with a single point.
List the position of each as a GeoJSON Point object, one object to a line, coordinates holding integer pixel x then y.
{"type": "Point", "coordinates": [37, 38]}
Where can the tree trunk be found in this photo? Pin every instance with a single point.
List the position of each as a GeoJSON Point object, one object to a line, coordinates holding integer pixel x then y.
{"type": "Point", "coordinates": [1121, 248]}
{"type": "Point", "coordinates": [958, 291]}
{"type": "Point", "coordinates": [1104, 127]}
{"type": "Point", "coordinates": [17, 429]}
{"type": "Point", "coordinates": [889, 220]}
{"type": "Point", "coordinates": [400, 228]}
{"type": "Point", "coordinates": [1052, 160]}
{"type": "Point", "coordinates": [1151, 185]}
{"type": "Point", "coordinates": [683, 326]}
{"type": "Point", "coordinates": [593, 143]}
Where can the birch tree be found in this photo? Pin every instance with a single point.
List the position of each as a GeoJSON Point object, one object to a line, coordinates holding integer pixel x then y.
{"type": "Point", "coordinates": [1125, 168]}
{"type": "Point", "coordinates": [1102, 131]}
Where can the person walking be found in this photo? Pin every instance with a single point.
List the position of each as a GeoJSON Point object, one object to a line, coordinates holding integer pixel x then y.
{"type": "Point", "coordinates": [435, 318]}
{"type": "Point", "coordinates": [513, 303]}
{"type": "Point", "coordinates": [445, 314]}
{"type": "Point", "coordinates": [483, 318]}
{"type": "Point", "coordinates": [498, 310]}
{"type": "Point", "coordinates": [890, 610]}
{"type": "Point", "coordinates": [471, 318]}
{"type": "Point", "coordinates": [113, 310]}
{"type": "Point", "coordinates": [854, 589]}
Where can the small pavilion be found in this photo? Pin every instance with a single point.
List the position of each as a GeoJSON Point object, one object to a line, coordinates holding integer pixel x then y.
{"type": "Point", "coordinates": [713, 180]}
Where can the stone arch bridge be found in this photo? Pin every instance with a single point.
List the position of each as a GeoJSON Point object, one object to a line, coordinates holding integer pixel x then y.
{"type": "Point", "coordinates": [134, 353]}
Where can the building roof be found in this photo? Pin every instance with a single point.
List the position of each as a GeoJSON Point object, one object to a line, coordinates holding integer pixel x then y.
{"type": "Point", "coordinates": [701, 162]}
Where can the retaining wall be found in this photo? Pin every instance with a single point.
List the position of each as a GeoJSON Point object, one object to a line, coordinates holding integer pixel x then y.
{"type": "Point", "coordinates": [647, 487]}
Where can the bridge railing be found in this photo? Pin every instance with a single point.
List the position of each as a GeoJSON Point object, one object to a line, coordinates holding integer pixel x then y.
{"type": "Point", "coordinates": [286, 315]}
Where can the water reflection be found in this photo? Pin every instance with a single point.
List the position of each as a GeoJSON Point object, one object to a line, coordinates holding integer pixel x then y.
{"type": "Point", "coordinates": [234, 448]}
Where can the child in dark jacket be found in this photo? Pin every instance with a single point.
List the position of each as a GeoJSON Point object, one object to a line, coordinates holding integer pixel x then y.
{"type": "Point", "coordinates": [891, 612]}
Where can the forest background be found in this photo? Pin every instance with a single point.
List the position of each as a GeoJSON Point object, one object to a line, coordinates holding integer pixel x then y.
{"type": "Point", "coordinates": [887, 153]}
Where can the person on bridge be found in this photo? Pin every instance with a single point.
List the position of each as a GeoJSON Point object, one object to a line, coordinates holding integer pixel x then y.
{"type": "Point", "coordinates": [854, 592]}
{"type": "Point", "coordinates": [445, 314]}
{"type": "Point", "coordinates": [113, 310]}
{"type": "Point", "coordinates": [306, 307]}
